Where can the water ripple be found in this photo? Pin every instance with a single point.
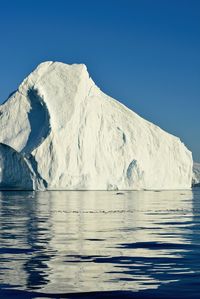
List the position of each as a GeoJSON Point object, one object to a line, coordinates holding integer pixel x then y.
{"type": "Point", "coordinates": [141, 244]}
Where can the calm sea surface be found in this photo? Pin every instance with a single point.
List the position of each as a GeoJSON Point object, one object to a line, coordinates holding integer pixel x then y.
{"type": "Point", "coordinates": [100, 244]}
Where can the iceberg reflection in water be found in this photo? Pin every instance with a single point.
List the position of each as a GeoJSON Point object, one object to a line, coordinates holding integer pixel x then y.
{"type": "Point", "coordinates": [143, 242]}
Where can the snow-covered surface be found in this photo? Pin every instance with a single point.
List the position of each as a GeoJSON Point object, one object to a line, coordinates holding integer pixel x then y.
{"type": "Point", "coordinates": [196, 174]}
{"type": "Point", "coordinates": [70, 135]}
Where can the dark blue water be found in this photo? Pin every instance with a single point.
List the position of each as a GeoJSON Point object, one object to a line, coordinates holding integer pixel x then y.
{"type": "Point", "coordinates": [100, 244]}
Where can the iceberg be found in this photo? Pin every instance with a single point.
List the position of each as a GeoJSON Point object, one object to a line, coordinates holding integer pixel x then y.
{"type": "Point", "coordinates": [196, 174]}
{"type": "Point", "coordinates": [59, 131]}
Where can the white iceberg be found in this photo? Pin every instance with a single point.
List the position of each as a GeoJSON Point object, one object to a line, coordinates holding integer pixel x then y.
{"type": "Point", "coordinates": [196, 174]}
{"type": "Point", "coordinates": [70, 135]}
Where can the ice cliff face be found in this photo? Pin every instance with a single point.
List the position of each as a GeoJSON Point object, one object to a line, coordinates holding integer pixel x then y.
{"type": "Point", "coordinates": [196, 174]}
{"type": "Point", "coordinates": [14, 170]}
{"type": "Point", "coordinates": [60, 131]}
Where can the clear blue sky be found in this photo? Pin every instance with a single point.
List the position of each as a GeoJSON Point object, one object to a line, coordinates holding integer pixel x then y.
{"type": "Point", "coordinates": [145, 53]}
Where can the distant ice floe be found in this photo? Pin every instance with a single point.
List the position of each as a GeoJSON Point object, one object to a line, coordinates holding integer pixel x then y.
{"type": "Point", "coordinates": [196, 175]}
